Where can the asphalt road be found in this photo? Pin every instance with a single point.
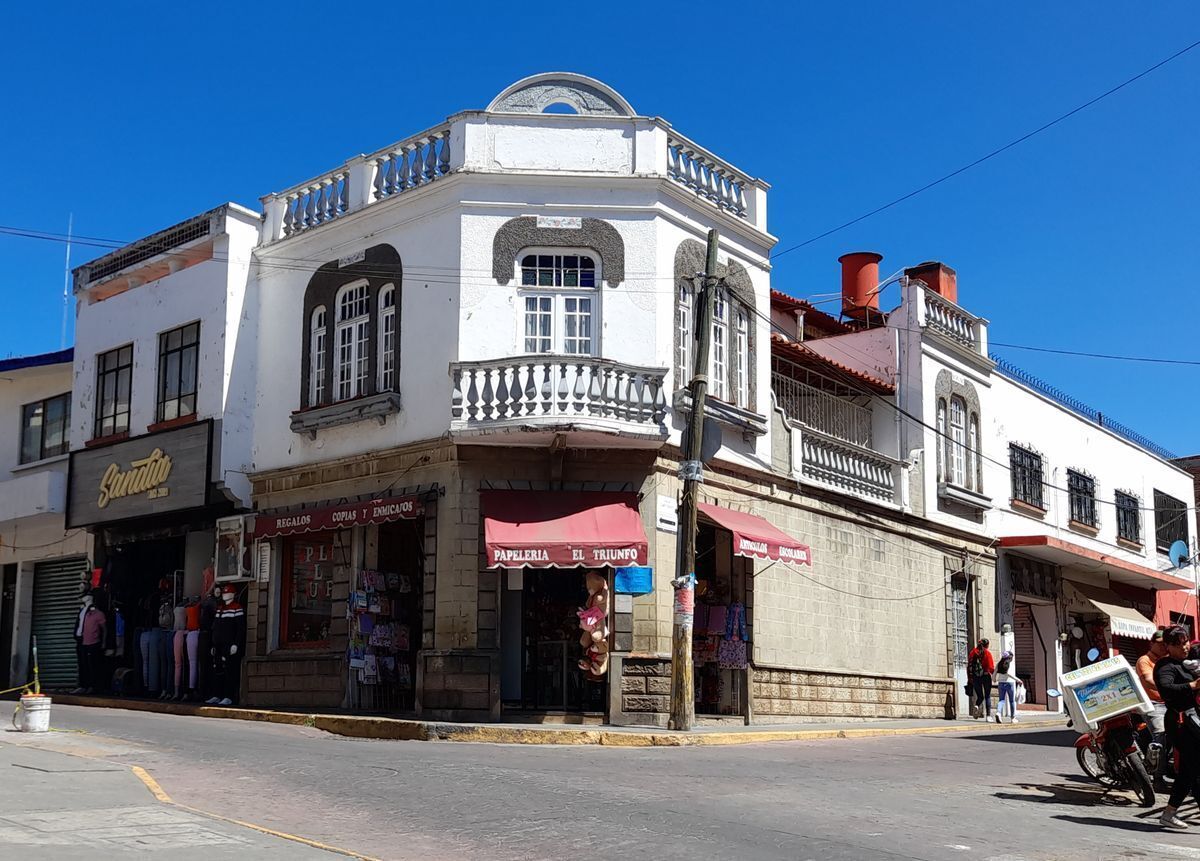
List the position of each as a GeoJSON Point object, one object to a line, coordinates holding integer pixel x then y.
{"type": "Point", "coordinates": [1005, 796]}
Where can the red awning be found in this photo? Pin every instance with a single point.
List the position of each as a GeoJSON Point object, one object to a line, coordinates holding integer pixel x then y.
{"type": "Point", "coordinates": [338, 516]}
{"type": "Point", "coordinates": [755, 538]}
{"type": "Point", "coordinates": [551, 529]}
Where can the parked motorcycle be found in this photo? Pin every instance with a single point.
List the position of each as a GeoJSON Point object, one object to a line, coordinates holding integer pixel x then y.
{"type": "Point", "coordinates": [1115, 756]}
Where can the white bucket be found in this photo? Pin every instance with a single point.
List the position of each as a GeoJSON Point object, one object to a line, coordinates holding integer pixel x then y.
{"type": "Point", "coordinates": [33, 714]}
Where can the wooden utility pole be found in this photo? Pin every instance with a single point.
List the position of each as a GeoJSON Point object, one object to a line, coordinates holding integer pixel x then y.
{"type": "Point", "coordinates": [683, 697]}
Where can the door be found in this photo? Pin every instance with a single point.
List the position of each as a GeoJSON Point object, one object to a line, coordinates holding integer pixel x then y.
{"type": "Point", "coordinates": [1026, 643]}
{"type": "Point", "coordinates": [962, 644]}
{"type": "Point", "coordinates": [57, 587]}
{"type": "Point", "coordinates": [8, 598]}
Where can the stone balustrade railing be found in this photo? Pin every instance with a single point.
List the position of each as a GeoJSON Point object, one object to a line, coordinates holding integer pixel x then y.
{"type": "Point", "coordinates": [822, 411]}
{"type": "Point", "coordinates": [712, 179]}
{"type": "Point", "coordinates": [526, 389]}
{"type": "Point", "coordinates": [848, 468]}
{"type": "Point", "coordinates": [947, 318]}
{"type": "Point", "coordinates": [465, 142]}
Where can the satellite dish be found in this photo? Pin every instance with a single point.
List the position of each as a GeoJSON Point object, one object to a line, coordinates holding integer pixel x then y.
{"type": "Point", "coordinates": [1179, 554]}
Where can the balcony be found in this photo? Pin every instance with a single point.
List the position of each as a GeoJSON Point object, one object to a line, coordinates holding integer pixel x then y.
{"type": "Point", "coordinates": [583, 397]}
{"type": "Point", "coordinates": [951, 324]}
{"type": "Point", "coordinates": [832, 442]}
{"type": "Point", "coordinates": [512, 137]}
{"type": "Point", "coordinates": [33, 494]}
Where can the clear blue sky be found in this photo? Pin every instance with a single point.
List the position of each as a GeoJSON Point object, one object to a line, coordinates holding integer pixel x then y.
{"type": "Point", "coordinates": [137, 116]}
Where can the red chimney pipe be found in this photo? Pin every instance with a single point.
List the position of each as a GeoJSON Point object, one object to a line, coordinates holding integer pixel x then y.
{"type": "Point", "coordinates": [860, 277]}
{"type": "Point", "coordinates": [938, 277]}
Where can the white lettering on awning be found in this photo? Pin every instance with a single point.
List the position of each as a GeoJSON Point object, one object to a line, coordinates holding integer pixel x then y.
{"type": "Point", "coordinates": [504, 554]}
{"type": "Point", "coordinates": [615, 554]}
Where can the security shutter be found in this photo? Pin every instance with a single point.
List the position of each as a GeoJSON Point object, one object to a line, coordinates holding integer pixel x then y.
{"type": "Point", "coordinates": [1024, 641]}
{"type": "Point", "coordinates": [56, 591]}
{"type": "Point", "coordinates": [1131, 647]}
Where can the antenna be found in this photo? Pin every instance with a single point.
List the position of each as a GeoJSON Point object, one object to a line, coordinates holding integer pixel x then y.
{"type": "Point", "coordinates": [1179, 554]}
{"type": "Point", "coordinates": [62, 341]}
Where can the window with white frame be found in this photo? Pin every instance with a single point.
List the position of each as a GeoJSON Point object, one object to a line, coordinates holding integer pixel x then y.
{"type": "Point", "coordinates": [956, 457]}
{"type": "Point", "coordinates": [560, 303]}
{"type": "Point", "coordinates": [974, 461]}
{"type": "Point", "coordinates": [729, 377]}
{"type": "Point", "coordinates": [353, 337]}
{"type": "Point", "coordinates": [316, 354]}
{"type": "Point", "coordinates": [387, 338]}
{"type": "Point", "coordinates": [941, 437]}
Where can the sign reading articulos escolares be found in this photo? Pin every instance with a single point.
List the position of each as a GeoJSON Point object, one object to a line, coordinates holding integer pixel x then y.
{"type": "Point", "coordinates": [153, 474]}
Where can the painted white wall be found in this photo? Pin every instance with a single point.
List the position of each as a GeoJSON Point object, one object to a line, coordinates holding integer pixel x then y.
{"type": "Point", "coordinates": [211, 292]}
{"type": "Point", "coordinates": [20, 387]}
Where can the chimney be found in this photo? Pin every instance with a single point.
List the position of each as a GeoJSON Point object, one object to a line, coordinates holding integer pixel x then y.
{"type": "Point", "coordinates": [860, 277]}
{"type": "Point", "coordinates": [939, 277]}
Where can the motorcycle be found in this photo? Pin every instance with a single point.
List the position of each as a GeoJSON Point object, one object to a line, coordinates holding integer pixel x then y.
{"type": "Point", "coordinates": [1115, 754]}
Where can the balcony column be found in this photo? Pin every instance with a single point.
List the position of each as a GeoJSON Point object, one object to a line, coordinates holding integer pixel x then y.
{"type": "Point", "coordinates": [361, 179]}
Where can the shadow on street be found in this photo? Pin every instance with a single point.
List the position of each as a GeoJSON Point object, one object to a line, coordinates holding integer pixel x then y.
{"type": "Point", "coordinates": [1058, 793]}
{"type": "Point", "coordinates": [1122, 824]}
{"type": "Point", "coordinates": [1046, 738]}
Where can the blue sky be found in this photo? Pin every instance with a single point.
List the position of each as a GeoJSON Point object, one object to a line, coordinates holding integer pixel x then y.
{"type": "Point", "coordinates": [135, 116]}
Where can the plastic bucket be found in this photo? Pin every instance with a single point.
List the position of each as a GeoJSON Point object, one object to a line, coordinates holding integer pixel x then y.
{"type": "Point", "coordinates": [34, 714]}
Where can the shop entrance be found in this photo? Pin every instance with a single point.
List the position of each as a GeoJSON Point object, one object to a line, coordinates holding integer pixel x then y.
{"type": "Point", "coordinates": [540, 643]}
{"type": "Point", "coordinates": [8, 596]}
{"type": "Point", "coordinates": [719, 647]}
{"type": "Point", "coordinates": [387, 630]}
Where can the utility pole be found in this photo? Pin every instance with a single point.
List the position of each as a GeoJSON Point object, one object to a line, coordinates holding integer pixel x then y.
{"type": "Point", "coordinates": [683, 697]}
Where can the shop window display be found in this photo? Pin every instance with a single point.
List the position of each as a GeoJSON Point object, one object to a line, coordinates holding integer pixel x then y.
{"type": "Point", "coordinates": [307, 604]}
{"type": "Point", "coordinates": [720, 636]}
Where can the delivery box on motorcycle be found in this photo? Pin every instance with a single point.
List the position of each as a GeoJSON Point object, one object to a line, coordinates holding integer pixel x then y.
{"type": "Point", "coordinates": [1103, 690]}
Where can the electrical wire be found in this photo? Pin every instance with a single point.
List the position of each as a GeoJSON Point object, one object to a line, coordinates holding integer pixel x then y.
{"type": "Point", "coordinates": [1044, 127]}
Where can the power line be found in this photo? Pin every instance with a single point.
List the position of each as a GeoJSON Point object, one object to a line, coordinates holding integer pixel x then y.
{"type": "Point", "coordinates": [990, 155]}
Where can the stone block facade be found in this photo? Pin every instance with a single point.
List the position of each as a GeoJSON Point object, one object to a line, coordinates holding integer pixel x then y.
{"type": "Point", "coordinates": [782, 695]}
{"type": "Point", "coordinates": [316, 682]}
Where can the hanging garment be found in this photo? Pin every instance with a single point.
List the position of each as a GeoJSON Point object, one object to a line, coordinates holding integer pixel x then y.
{"type": "Point", "coordinates": [193, 658]}
{"type": "Point", "coordinates": [735, 624]}
{"type": "Point", "coordinates": [716, 620]}
{"type": "Point", "coordinates": [179, 644]}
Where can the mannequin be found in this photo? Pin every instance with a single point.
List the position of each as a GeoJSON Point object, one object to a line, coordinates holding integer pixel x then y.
{"type": "Point", "coordinates": [89, 643]}
{"type": "Point", "coordinates": [229, 645]}
{"type": "Point", "coordinates": [166, 654]}
{"type": "Point", "coordinates": [178, 644]}
{"type": "Point", "coordinates": [192, 643]}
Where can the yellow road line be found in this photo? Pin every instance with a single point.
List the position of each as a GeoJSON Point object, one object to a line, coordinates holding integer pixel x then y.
{"type": "Point", "coordinates": [152, 784]}
{"type": "Point", "coordinates": [159, 793]}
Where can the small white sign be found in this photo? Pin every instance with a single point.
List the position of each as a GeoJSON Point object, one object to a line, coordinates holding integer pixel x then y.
{"type": "Point", "coordinates": [356, 257]}
{"type": "Point", "coordinates": [562, 222]}
{"type": "Point", "coordinates": [667, 519]}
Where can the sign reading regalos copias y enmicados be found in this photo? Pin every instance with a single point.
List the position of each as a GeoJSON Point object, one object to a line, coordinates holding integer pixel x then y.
{"type": "Point", "coordinates": [153, 474]}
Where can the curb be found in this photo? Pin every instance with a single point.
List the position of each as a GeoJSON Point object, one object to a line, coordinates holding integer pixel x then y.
{"type": "Point", "coordinates": [399, 729]}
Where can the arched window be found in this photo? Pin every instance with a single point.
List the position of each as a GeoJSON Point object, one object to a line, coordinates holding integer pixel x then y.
{"type": "Point", "coordinates": [974, 461]}
{"type": "Point", "coordinates": [387, 338]}
{"type": "Point", "coordinates": [353, 337]}
{"type": "Point", "coordinates": [741, 356]}
{"type": "Point", "coordinates": [719, 370]}
{"type": "Point", "coordinates": [956, 457]}
{"type": "Point", "coordinates": [316, 355]}
{"type": "Point", "coordinates": [683, 335]}
{"type": "Point", "coordinates": [941, 439]}
{"type": "Point", "coordinates": [559, 300]}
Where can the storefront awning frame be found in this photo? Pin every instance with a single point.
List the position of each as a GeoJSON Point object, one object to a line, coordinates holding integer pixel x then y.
{"type": "Point", "coordinates": [562, 529]}
{"type": "Point", "coordinates": [1067, 554]}
{"type": "Point", "coordinates": [327, 517]}
{"type": "Point", "coordinates": [755, 537]}
{"type": "Point", "coordinates": [1124, 621]}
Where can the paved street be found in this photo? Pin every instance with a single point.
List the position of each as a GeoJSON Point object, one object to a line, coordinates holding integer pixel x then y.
{"type": "Point", "coordinates": [1001, 796]}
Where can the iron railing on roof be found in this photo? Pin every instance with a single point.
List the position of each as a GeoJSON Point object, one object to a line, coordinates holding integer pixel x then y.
{"type": "Point", "coordinates": [1077, 406]}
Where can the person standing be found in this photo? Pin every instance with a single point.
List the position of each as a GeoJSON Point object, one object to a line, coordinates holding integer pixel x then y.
{"type": "Point", "coordinates": [1007, 681]}
{"type": "Point", "coordinates": [980, 667]}
{"type": "Point", "coordinates": [1177, 686]}
{"type": "Point", "coordinates": [1145, 670]}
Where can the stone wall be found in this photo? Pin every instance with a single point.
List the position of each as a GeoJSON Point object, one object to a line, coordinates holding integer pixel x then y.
{"type": "Point", "coordinates": [645, 685]}
{"type": "Point", "coordinates": [459, 685]}
{"type": "Point", "coordinates": [782, 695]}
{"type": "Point", "coordinates": [294, 680]}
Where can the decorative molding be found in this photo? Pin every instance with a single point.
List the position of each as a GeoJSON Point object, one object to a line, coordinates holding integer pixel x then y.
{"type": "Point", "coordinates": [523, 232]}
{"type": "Point", "coordinates": [964, 497]}
{"type": "Point", "coordinates": [378, 407]}
{"type": "Point", "coordinates": [751, 424]}
{"type": "Point", "coordinates": [587, 96]}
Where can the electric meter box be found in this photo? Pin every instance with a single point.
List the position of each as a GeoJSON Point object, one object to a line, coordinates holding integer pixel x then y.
{"type": "Point", "coordinates": [1103, 690]}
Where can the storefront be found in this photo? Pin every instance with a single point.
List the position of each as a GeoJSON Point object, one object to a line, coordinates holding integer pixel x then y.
{"type": "Point", "coordinates": [153, 506]}
{"type": "Point", "coordinates": [727, 544]}
{"type": "Point", "coordinates": [558, 552]}
{"type": "Point", "coordinates": [339, 607]}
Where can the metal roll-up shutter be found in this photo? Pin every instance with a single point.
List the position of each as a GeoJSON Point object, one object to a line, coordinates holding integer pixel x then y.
{"type": "Point", "coordinates": [1131, 647]}
{"type": "Point", "coordinates": [1024, 643]}
{"type": "Point", "coordinates": [57, 586]}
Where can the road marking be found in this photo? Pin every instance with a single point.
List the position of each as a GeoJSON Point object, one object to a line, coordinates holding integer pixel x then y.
{"type": "Point", "coordinates": [158, 792]}
{"type": "Point", "coordinates": [151, 784]}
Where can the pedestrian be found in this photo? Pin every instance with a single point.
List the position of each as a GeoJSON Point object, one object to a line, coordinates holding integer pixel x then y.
{"type": "Point", "coordinates": [980, 667]}
{"type": "Point", "coordinates": [1007, 682]}
{"type": "Point", "coordinates": [1145, 669]}
{"type": "Point", "coordinates": [1177, 686]}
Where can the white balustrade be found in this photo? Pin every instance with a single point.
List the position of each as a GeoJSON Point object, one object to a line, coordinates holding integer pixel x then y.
{"type": "Point", "coordinates": [412, 163]}
{"type": "Point", "coordinates": [527, 388]}
{"type": "Point", "coordinates": [709, 177]}
{"type": "Point", "coordinates": [848, 468]}
{"type": "Point", "coordinates": [945, 317]}
{"type": "Point", "coordinates": [315, 203]}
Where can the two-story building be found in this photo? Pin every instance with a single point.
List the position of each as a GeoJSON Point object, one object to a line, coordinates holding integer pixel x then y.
{"type": "Point", "coordinates": [164, 385]}
{"type": "Point", "coordinates": [43, 567]}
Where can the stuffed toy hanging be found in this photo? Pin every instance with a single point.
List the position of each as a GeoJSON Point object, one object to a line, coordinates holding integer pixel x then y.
{"type": "Point", "coordinates": [593, 619]}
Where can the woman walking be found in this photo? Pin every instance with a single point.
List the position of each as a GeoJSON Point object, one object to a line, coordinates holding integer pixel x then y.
{"type": "Point", "coordinates": [1178, 685]}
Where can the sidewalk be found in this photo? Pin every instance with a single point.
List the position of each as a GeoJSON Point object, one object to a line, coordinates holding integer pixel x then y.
{"type": "Point", "coordinates": [399, 729]}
